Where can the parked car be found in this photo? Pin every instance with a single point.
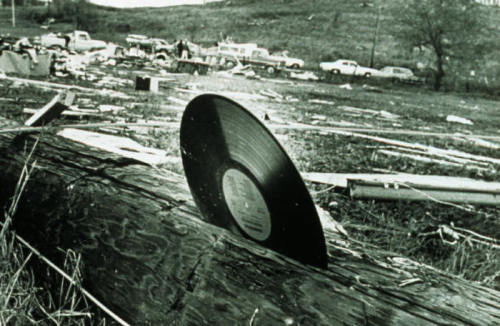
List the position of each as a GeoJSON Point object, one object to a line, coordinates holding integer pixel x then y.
{"type": "Point", "coordinates": [75, 41]}
{"type": "Point", "coordinates": [400, 74]}
{"type": "Point", "coordinates": [348, 67]}
{"type": "Point", "coordinates": [290, 62]}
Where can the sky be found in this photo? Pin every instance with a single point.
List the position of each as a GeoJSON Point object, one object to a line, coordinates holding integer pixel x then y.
{"type": "Point", "coordinates": [147, 3]}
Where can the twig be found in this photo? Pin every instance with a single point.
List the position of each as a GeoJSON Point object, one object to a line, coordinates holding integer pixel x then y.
{"type": "Point", "coordinates": [445, 229]}
{"type": "Point", "coordinates": [322, 191]}
{"type": "Point", "coordinates": [474, 234]}
{"type": "Point", "coordinates": [45, 311]}
{"type": "Point", "coordinates": [431, 198]}
{"type": "Point", "coordinates": [409, 282]}
{"type": "Point", "coordinates": [371, 228]}
{"type": "Point", "coordinates": [250, 323]}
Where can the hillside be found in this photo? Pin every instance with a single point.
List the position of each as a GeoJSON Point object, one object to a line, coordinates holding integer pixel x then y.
{"type": "Point", "coordinates": [316, 31]}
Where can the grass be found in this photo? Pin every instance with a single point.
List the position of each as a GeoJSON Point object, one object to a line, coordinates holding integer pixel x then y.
{"type": "Point", "coordinates": [22, 300]}
{"type": "Point", "coordinates": [409, 228]}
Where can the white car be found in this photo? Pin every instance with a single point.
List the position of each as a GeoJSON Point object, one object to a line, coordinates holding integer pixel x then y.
{"type": "Point", "coordinates": [400, 74]}
{"type": "Point", "coordinates": [348, 67]}
{"type": "Point", "coordinates": [293, 63]}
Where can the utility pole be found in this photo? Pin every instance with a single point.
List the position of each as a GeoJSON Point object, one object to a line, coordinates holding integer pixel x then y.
{"type": "Point", "coordinates": [375, 38]}
{"type": "Point", "coordinates": [13, 6]}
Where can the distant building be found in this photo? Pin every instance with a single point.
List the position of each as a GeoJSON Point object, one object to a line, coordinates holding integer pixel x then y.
{"type": "Point", "coordinates": [489, 2]}
{"type": "Point", "coordinates": [44, 2]}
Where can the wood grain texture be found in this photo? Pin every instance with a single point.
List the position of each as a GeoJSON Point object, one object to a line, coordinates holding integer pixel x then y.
{"type": "Point", "coordinates": [152, 259]}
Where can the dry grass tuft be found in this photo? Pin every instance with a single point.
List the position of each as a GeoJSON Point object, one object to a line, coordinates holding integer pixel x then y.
{"type": "Point", "coordinates": [22, 301]}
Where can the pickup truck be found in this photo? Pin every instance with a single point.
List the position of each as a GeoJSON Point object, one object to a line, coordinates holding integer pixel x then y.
{"type": "Point", "coordinates": [261, 57]}
{"type": "Point", "coordinates": [160, 48]}
{"type": "Point", "coordinates": [249, 54]}
{"type": "Point", "coordinates": [77, 41]}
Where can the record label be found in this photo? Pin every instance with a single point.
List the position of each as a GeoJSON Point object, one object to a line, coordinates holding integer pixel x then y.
{"type": "Point", "coordinates": [246, 204]}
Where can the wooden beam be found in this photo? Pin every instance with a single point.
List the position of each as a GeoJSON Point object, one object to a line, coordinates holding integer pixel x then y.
{"type": "Point", "coordinates": [51, 110]}
{"type": "Point", "coordinates": [417, 180]}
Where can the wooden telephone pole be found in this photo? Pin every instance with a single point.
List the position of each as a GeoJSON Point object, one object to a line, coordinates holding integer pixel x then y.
{"type": "Point", "coordinates": [375, 38]}
{"type": "Point", "coordinates": [13, 6]}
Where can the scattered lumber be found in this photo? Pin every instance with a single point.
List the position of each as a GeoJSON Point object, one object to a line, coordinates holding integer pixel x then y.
{"type": "Point", "coordinates": [429, 149]}
{"type": "Point", "coordinates": [382, 113]}
{"type": "Point", "coordinates": [355, 132]}
{"type": "Point", "coordinates": [67, 113]}
{"type": "Point", "coordinates": [447, 160]}
{"type": "Point", "coordinates": [399, 151]}
{"type": "Point", "coordinates": [50, 85]}
{"type": "Point", "coordinates": [478, 142]}
{"type": "Point", "coordinates": [151, 258]}
{"type": "Point", "coordinates": [142, 124]}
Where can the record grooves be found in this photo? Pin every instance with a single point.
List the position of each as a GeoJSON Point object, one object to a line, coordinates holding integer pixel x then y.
{"type": "Point", "coordinates": [242, 179]}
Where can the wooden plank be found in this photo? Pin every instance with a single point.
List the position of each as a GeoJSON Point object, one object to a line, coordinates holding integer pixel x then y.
{"type": "Point", "coordinates": [415, 180]}
{"type": "Point", "coordinates": [49, 112]}
{"type": "Point", "coordinates": [119, 145]}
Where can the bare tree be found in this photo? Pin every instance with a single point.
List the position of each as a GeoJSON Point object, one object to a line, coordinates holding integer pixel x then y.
{"type": "Point", "coordinates": [450, 28]}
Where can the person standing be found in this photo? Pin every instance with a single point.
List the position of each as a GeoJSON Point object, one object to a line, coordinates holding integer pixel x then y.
{"type": "Point", "coordinates": [179, 49]}
{"type": "Point", "coordinates": [23, 45]}
{"type": "Point", "coordinates": [185, 50]}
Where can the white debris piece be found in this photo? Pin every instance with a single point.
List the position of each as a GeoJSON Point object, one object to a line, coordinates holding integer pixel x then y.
{"type": "Point", "coordinates": [346, 86]}
{"type": "Point", "coordinates": [328, 223]}
{"type": "Point", "coordinates": [306, 75]}
{"type": "Point", "coordinates": [454, 118]}
{"type": "Point", "coordinates": [388, 115]}
{"type": "Point", "coordinates": [316, 101]}
{"type": "Point", "coordinates": [110, 108]}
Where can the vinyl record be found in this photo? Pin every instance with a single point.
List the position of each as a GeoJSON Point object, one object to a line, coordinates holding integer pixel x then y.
{"type": "Point", "coordinates": [242, 179]}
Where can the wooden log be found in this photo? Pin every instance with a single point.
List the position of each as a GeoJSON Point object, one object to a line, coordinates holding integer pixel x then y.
{"type": "Point", "coordinates": [152, 259]}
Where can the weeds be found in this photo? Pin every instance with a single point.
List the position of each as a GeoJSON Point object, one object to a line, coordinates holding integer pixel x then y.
{"type": "Point", "coordinates": [21, 301]}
